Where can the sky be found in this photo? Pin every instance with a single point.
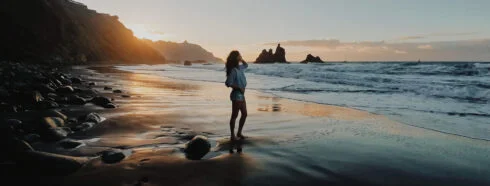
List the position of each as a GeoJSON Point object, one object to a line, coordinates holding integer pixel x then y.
{"type": "Point", "coordinates": [335, 30]}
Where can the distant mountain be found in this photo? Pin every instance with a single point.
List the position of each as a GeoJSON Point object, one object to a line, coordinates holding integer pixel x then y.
{"type": "Point", "coordinates": [177, 52]}
{"type": "Point", "coordinates": [68, 32]}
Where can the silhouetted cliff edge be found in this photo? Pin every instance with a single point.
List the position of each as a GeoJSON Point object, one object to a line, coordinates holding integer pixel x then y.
{"type": "Point", "coordinates": [67, 32]}
{"type": "Point", "coordinates": [177, 52]}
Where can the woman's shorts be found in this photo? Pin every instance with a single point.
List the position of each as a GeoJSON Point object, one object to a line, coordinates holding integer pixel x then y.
{"type": "Point", "coordinates": [237, 95]}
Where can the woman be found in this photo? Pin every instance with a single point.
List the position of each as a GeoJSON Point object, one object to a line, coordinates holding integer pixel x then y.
{"type": "Point", "coordinates": [235, 78]}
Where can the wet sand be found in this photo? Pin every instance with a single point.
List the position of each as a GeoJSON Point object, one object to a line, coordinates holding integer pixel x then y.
{"type": "Point", "coordinates": [290, 142]}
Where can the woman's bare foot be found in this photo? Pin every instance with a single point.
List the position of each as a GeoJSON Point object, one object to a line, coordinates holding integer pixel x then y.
{"type": "Point", "coordinates": [241, 136]}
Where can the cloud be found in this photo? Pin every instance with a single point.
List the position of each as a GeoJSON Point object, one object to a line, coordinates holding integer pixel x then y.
{"type": "Point", "coordinates": [437, 34]}
{"type": "Point", "coordinates": [425, 47]}
{"type": "Point", "coordinates": [458, 50]}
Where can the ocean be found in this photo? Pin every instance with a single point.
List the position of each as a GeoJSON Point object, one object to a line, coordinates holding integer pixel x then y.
{"type": "Point", "coordinates": [449, 97]}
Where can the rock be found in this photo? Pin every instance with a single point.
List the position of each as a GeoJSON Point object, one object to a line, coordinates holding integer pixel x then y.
{"type": "Point", "coordinates": [76, 100]}
{"type": "Point", "coordinates": [50, 113]}
{"type": "Point", "coordinates": [268, 57]}
{"type": "Point", "coordinates": [117, 91]}
{"type": "Point", "coordinates": [52, 95]}
{"type": "Point", "coordinates": [92, 117]}
{"type": "Point", "coordinates": [312, 59]}
{"type": "Point", "coordinates": [65, 90]}
{"type": "Point", "coordinates": [69, 144]}
{"type": "Point", "coordinates": [187, 63]}
{"type": "Point", "coordinates": [100, 100]}
{"type": "Point", "coordinates": [45, 89]}
{"type": "Point", "coordinates": [110, 105]}
{"type": "Point", "coordinates": [76, 80]}
{"type": "Point", "coordinates": [92, 84]}
{"type": "Point", "coordinates": [112, 156]}
{"type": "Point", "coordinates": [107, 88]}
{"type": "Point", "coordinates": [48, 104]}
{"type": "Point", "coordinates": [32, 138]}
{"type": "Point", "coordinates": [54, 134]}
{"type": "Point", "coordinates": [37, 97]}
{"type": "Point", "coordinates": [52, 122]}
{"type": "Point", "coordinates": [197, 148]}
{"type": "Point", "coordinates": [125, 96]}
{"type": "Point", "coordinates": [50, 164]}
{"type": "Point", "coordinates": [19, 146]}
{"type": "Point", "coordinates": [83, 127]}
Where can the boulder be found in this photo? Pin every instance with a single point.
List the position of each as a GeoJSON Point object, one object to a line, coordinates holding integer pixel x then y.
{"type": "Point", "coordinates": [197, 148]}
{"type": "Point", "coordinates": [112, 156]}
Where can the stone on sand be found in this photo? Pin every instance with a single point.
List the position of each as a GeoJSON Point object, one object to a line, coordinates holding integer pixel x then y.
{"type": "Point", "coordinates": [197, 148]}
{"type": "Point", "coordinates": [112, 156]}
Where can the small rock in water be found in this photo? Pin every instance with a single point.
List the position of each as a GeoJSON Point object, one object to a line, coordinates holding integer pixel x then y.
{"type": "Point", "coordinates": [83, 127]}
{"type": "Point", "coordinates": [76, 100]}
{"type": "Point", "coordinates": [92, 117]}
{"type": "Point", "coordinates": [117, 91]}
{"type": "Point", "coordinates": [54, 134]}
{"type": "Point", "coordinates": [113, 156]}
{"type": "Point", "coordinates": [76, 80]}
{"type": "Point", "coordinates": [110, 105]}
{"type": "Point", "coordinates": [92, 84]}
{"type": "Point", "coordinates": [32, 138]}
{"type": "Point", "coordinates": [126, 96]}
{"type": "Point", "coordinates": [37, 97]}
{"type": "Point", "coordinates": [48, 104]}
{"type": "Point", "coordinates": [100, 100]}
{"type": "Point", "coordinates": [107, 88]}
{"type": "Point", "coordinates": [197, 148]}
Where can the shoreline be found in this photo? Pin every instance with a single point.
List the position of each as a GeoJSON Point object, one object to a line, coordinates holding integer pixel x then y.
{"type": "Point", "coordinates": [291, 142]}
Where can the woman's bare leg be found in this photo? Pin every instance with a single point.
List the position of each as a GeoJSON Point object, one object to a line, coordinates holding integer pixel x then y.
{"type": "Point", "coordinates": [243, 110]}
{"type": "Point", "coordinates": [234, 115]}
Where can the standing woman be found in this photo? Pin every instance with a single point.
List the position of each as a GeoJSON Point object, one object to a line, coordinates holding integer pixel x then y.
{"type": "Point", "coordinates": [235, 78]}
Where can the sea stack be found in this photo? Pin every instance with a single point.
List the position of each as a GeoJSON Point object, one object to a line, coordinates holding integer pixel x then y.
{"type": "Point", "coordinates": [268, 57]}
{"type": "Point", "coordinates": [312, 59]}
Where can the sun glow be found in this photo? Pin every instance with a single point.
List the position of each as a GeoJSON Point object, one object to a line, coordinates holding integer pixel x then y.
{"type": "Point", "coordinates": [145, 32]}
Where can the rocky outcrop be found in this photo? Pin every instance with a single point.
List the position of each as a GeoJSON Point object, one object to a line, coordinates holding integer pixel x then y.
{"type": "Point", "coordinates": [67, 32]}
{"type": "Point", "coordinates": [312, 59]}
{"type": "Point", "coordinates": [268, 57]}
{"type": "Point", "coordinates": [177, 52]}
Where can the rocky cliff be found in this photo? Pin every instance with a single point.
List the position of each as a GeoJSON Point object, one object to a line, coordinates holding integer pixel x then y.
{"type": "Point", "coordinates": [268, 57]}
{"type": "Point", "coordinates": [312, 59]}
{"type": "Point", "coordinates": [67, 32]}
{"type": "Point", "coordinates": [177, 52]}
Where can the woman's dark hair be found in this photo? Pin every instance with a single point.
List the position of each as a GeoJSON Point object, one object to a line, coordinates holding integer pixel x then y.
{"type": "Point", "coordinates": [232, 61]}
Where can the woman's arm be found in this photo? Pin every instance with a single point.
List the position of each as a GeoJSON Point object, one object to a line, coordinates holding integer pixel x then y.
{"type": "Point", "coordinates": [244, 65]}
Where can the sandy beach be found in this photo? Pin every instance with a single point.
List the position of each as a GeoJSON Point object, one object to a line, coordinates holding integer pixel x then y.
{"type": "Point", "coordinates": [290, 142]}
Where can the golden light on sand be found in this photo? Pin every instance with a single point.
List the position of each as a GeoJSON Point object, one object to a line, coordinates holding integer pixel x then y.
{"type": "Point", "coordinates": [146, 32]}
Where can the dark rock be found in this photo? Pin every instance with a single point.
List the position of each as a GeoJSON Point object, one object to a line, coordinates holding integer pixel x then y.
{"type": "Point", "coordinates": [92, 84]}
{"type": "Point", "coordinates": [268, 57]}
{"type": "Point", "coordinates": [197, 148]}
{"type": "Point", "coordinates": [37, 97]}
{"type": "Point", "coordinates": [32, 138]}
{"type": "Point", "coordinates": [48, 104]}
{"type": "Point", "coordinates": [65, 90]}
{"type": "Point", "coordinates": [83, 127]}
{"type": "Point", "coordinates": [125, 96]}
{"type": "Point", "coordinates": [110, 105]}
{"type": "Point", "coordinates": [107, 88]}
{"type": "Point", "coordinates": [101, 101]}
{"type": "Point", "coordinates": [52, 113]}
{"type": "Point", "coordinates": [92, 117]}
{"type": "Point", "coordinates": [53, 134]}
{"type": "Point", "coordinates": [19, 146]}
{"type": "Point", "coordinates": [187, 63]}
{"type": "Point", "coordinates": [112, 156]}
{"type": "Point", "coordinates": [52, 122]}
{"type": "Point", "coordinates": [50, 164]}
{"type": "Point", "coordinates": [76, 80]}
{"type": "Point", "coordinates": [76, 100]}
{"type": "Point", "coordinates": [312, 59]}
{"type": "Point", "coordinates": [69, 144]}
{"type": "Point", "coordinates": [117, 91]}
{"type": "Point", "coordinates": [45, 89]}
